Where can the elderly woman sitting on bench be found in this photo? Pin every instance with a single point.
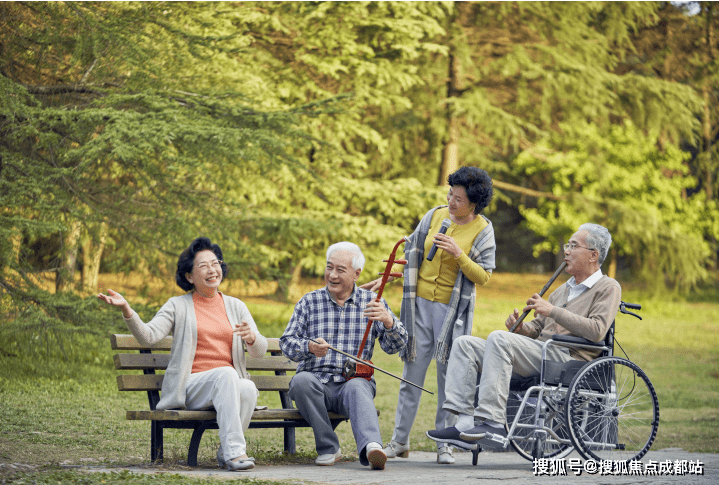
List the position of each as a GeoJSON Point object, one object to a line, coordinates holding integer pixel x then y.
{"type": "Point", "coordinates": [207, 361]}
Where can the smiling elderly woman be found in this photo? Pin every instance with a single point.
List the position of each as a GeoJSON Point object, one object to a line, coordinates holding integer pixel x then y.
{"type": "Point", "coordinates": [207, 361]}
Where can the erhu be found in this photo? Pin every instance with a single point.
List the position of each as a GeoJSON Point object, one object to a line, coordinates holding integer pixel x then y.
{"type": "Point", "coordinates": [354, 367]}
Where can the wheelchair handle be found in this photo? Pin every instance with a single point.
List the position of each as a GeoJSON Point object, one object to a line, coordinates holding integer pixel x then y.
{"type": "Point", "coordinates": [634, 306]}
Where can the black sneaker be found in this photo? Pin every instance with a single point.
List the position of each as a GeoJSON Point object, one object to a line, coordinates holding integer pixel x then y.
{"type": "Point", "coordinates": [480, 432]}
{"type": "Point", "coordinates": [451, 435]}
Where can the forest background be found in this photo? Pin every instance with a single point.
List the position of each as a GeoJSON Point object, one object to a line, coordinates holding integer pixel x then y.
{"type": "Point", "coordinates": [127, 129]}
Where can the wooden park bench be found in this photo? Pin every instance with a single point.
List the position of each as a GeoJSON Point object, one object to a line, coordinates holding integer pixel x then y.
{"type": "Point", "coordinates": [149, 360]}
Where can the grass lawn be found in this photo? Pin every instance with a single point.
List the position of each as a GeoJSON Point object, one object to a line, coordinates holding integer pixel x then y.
{"type": "Point", "coordinates": [60, 413]}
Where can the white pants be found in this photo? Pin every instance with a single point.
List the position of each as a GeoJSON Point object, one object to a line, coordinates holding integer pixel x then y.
{"type": "Point", "coordinates": [234, 400]}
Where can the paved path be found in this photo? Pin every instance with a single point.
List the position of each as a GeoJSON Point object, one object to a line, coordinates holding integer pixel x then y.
{"type": "Point", "coordinates": [420, 468]}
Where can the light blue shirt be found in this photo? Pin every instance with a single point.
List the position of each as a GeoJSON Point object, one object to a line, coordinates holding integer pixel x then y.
{"type": "Point", "coordinates": [577, 289]}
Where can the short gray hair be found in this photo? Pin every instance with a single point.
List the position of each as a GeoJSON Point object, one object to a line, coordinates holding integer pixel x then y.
{"type": "Point", "coordinates": [598, 238]}
{"type": "Point", "coordinates": [357, 258]}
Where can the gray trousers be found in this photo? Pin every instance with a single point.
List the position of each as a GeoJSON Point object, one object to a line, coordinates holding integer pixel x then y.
{"type": "Point", "coordinates": [234, 399]}
{"type": "Point", "coordinates": [496, 358]}
{"type": "Point", "coordinates": [428, 325]}
{"type": "Point", "coordinates": [353, 398]}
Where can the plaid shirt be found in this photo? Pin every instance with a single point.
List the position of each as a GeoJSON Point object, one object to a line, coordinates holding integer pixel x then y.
{"type": "Point", "coordinates": [318, 315]}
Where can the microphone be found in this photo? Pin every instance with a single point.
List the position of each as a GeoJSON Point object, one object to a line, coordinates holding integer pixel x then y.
{"type": "Point", "coordinates": [442, 230]}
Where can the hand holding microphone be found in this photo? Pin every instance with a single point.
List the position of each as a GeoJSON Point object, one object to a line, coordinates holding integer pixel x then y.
{"type": "Point", "coordinates": [442, 230]}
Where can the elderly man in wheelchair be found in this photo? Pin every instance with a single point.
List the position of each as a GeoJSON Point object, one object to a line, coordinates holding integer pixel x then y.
{"type": "Point", "coordinates": [536, 389]}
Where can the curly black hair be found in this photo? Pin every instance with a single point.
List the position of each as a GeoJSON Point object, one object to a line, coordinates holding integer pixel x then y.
{"type": "Point", "coordinates": [187, 261]}
{"type": "Point", "coordinates": [477, 183]}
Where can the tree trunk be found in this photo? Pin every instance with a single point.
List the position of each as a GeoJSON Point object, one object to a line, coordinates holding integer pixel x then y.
{"type": "Point", "coordinates": [92, 250]}
{"type": "Point", "coordinates": [612, 268]}
{"type": "Point", "coordinates": [65, 276]}
{"type": "Point", "coordinates": [450, 153]}
{"type": "Point", "coordinates": [559, 257]}
{"type": "Point", "coordinates": [706, 93]}
{"type": "Point", "coordinates": [294, 292]}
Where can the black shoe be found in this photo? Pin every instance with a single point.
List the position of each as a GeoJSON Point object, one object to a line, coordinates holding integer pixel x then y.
{"type": "Point", "coordinates": [451, 435]}
{"type": "Point", "coordinates": [480, 432]}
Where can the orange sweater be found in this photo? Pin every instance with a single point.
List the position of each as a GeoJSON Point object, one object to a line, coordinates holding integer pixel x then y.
{"type": "Point", "coordinates": [214, 334]}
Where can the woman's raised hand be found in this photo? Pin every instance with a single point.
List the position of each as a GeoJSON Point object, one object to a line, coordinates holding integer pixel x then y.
{"type": "Point", "coordinates": [245, 332]}
{"type": "Point", "coordinates": [115, 299]}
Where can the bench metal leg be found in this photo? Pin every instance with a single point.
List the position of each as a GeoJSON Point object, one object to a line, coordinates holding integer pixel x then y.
{"type": "Point", "coordinates": [290, 441]}
{"type": "Point", "coordinates": [156, 441]}
{"type": "Point", "coordinates": [195, 444]}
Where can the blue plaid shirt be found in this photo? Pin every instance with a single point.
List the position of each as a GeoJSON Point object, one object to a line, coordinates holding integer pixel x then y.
{"type": "Point", "coordinates": [318, 315]}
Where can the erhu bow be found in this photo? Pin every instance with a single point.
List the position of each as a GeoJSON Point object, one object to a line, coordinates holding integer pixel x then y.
{"type": "Point", "coordinates": [368, 364]}
{"type": "Point", "coordinates": [542, 291]}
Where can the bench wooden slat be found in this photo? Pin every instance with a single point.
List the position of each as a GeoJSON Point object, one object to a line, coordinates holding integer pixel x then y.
{"type": "Point", "coordinates": [176, 415]}
{"type": "Point", "coordinates": [160, 362]}
{"type": "Point", "coordinates": [129, 342]}
{"type": "Point", "coordinates": [153, 382]}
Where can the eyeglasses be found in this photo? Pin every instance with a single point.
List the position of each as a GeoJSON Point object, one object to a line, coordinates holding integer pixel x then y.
{"type": "Point", "coordinates": [217, 264]}
{"type": "Point", "coordinates": [571, 247]}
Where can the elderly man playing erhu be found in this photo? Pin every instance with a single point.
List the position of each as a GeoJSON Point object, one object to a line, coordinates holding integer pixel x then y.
{"type": "Point", "coordinates": [585, 306]}
{"type": "Point", "coordinates": [337, 315]}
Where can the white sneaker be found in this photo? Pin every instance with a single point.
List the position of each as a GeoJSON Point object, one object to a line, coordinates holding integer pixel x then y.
{"type": "Point", "coordinates": [328, 459]}
{"type": "Point", "coordinates": [444, 456]}
{"type": "Point", "coordinates": [394, 450]}
{"type": "Point", "coordinates": [376, 456]}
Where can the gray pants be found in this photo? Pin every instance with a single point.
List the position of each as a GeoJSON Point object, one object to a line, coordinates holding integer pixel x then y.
{"type": "Point", "coordinates": [353, 398]}
{"type": "Point", "coordinates": [428, 325]}
{"type": "Point", "coordinates": [497, 358]}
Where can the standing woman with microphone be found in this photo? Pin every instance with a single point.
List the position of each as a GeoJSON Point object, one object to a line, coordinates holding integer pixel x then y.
{"type": "Point", "coordinates": [439, 293]}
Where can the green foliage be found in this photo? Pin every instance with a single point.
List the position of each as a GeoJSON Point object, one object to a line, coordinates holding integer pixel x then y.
{"type": "Point", "coordinates": [622, 180]}
{"type": "Point", "coordinates": [528, 66]}
{"type": "Point", "coordinates": [682, 48]}
{"type": "Point", "coordinates": [277, 128]}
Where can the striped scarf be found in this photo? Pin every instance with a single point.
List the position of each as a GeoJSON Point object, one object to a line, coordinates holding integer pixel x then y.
{"type": "Point", "coordinates": [459, 317]}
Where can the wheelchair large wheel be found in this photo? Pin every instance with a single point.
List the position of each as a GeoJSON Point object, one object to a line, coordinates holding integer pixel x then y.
{"type": "Point", "coordinates": [612, 410]}
{"type": "Point", "coordinates": [523, 440]}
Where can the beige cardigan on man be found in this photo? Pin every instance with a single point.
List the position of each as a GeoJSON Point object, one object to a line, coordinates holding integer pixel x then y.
{"type": "Point", "coordinates": [178, 316]}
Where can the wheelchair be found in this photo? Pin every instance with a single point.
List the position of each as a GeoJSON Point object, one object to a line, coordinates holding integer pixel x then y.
{"type": "Point", "coordinates": [605, 409]}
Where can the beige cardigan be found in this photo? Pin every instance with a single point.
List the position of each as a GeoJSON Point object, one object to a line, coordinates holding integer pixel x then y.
{"type": "Point", "coordinates": [178, 316]}
{"type": "Point", "coordinates": [589, 315]}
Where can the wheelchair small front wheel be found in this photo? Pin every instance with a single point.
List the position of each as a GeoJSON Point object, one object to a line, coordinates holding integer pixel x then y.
{"type": "Point", "coordinates": [612, 410]}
